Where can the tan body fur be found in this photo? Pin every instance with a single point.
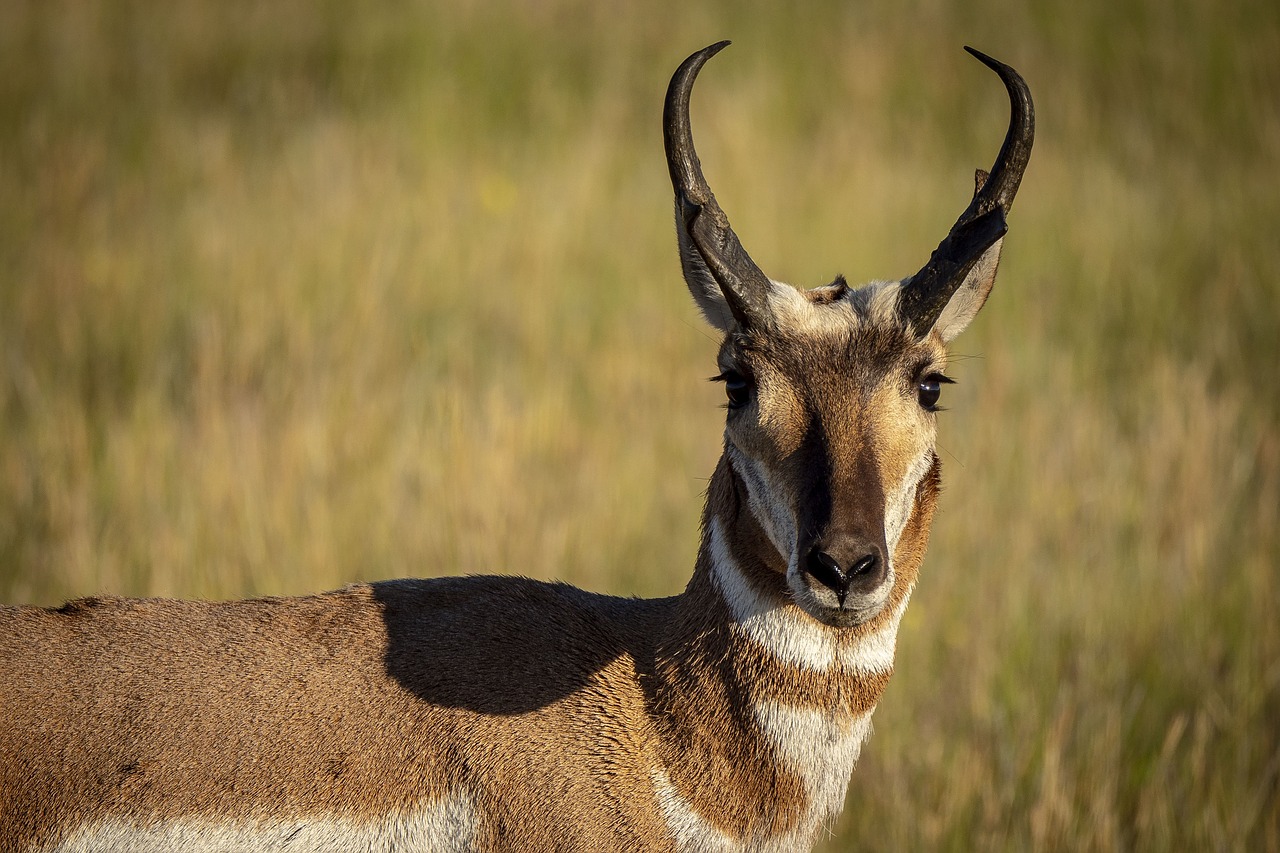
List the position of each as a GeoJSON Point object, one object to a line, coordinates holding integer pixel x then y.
{"type": "Point", "coordinates": [374, 703]}
{"type": "Point", "coordinates": [506, 714]}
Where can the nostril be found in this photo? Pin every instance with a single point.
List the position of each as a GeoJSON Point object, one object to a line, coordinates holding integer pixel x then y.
{"type": "Point", "coordinates": [826, 571]}
{"type": "Point", "coordinates": [864, 565]}
{"type": "Point", "coordinates": [864, 573]}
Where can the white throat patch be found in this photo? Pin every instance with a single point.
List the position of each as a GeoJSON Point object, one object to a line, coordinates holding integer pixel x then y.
{"type": "Point", "coordinates": [789, 635]}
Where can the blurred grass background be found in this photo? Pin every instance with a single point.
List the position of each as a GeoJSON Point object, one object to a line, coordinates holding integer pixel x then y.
{"type": "Point", "coordinates": [295, 294]}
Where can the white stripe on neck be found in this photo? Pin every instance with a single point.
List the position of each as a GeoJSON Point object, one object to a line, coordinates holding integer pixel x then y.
{"type": "Point", "coordinates": [821, 746]}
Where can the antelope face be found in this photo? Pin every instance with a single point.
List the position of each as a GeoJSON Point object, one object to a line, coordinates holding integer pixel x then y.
{"type": "Point", "coordinates": [832, 392]}
{"type": "Point", "coordinates": [831, 426]}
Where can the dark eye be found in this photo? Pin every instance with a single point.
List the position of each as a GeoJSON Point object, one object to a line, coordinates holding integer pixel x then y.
{"type": "Point", "coordinates": [737, 387]}
{"type": "Point", "coordinates": [930, 389]}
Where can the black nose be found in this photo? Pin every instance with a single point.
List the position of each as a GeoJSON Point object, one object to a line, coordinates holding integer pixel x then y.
{"type": "Point", "coordinates": [826, 570]}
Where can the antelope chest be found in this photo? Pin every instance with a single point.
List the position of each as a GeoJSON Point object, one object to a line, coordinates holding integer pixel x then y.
{"type": "Point", "coordinates": [820, 747]}
{"type": "Point", "coordinates": [817, 747]}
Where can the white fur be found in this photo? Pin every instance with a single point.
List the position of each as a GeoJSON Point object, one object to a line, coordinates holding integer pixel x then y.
{"type": "Point", "coordinates": [770, 622]}
{"type": "Point", "coordinates": [821, 746]}
{"type": "Point", "coordinates": [873, 302]}
{"type": "Point", "coordinates": [447, 826]}
{"type": "Point", "coordinates": [794, 311]}
{"type": "Point", "coordinates": [692, 832]}
{"type": "Point", "coordinates": [788, 634]}
{"type": "Point", "coordinates": [873, 654]}
{"type": "Point", "coordinates": [819, 598]}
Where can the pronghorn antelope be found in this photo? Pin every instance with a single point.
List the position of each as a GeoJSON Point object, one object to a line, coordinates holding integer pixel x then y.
{"type": "Point", "coordinates": [500, 713]}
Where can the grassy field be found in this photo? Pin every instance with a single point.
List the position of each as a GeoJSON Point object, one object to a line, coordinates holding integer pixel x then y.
{"type": "Point", "coordinates": [293, 294]}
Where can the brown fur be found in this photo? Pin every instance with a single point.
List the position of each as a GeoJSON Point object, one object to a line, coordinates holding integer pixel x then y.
{"type": "Point", "coordinates": [366, 700]}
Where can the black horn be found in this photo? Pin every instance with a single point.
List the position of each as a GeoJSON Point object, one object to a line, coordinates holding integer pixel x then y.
{"type": "Point", "coordinates": [983, 221]}
{"type": "Point", "coordinates": [702, 222]}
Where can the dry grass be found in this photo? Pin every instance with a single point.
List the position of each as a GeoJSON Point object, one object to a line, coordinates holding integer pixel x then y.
{"type": "Point", "coordinates": [292, 297]}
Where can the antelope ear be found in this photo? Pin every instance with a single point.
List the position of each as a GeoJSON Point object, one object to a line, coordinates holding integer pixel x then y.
{"type": "Point", "coordinates": [972, 294]}
{"type": "Point", "coordinates": [706, 292]}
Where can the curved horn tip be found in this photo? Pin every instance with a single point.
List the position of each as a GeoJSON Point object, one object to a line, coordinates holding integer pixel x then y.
{"type": "Point", "coordinates": [682, 159]}
{"type": "Point", "coordinates": [982, 57]}
{"type": "Point", "coordinates": [698, 216]}
{"type": "Point", "coordinates": [1012, 79]}
{"type": "Point", "coordinates": [712, 49]}
{"type": "Point", "coordinates": [693, 62]}
{"type": "Point", "coordinates": [991, 62]}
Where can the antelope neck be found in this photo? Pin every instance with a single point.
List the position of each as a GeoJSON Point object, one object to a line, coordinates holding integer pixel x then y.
{"type": "Point", "coordinates": [751, 694]}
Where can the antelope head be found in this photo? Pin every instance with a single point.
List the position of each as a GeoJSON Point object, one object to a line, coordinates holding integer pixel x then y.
{"type": "Point", "coordinates": [833, 392]}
